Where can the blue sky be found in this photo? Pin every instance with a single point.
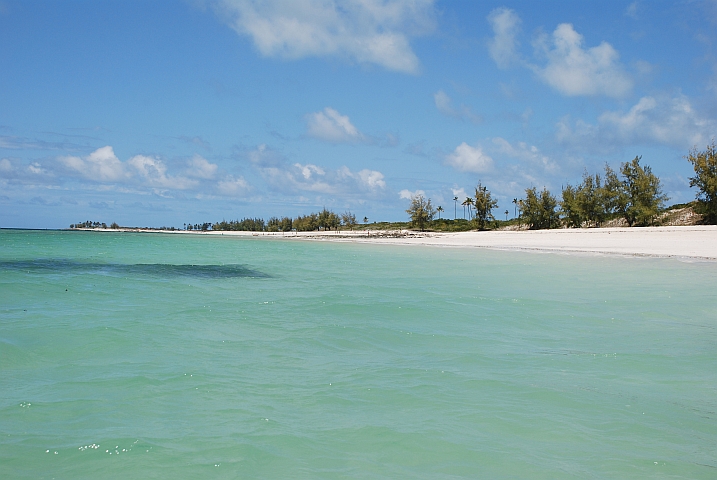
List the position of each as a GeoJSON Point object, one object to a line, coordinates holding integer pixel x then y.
{"type": "Point", "coordinates": [163, 113]}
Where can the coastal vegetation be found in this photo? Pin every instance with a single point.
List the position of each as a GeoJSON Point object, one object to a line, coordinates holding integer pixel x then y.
{"type": "Point", "coordinates": [633, 197]}
{"type": "Point", "coordinates": [420, 211]}
{"type": "Point", "coordinates": [484, 203]}
{"type": "Point", "coordinates": [637, 197]}
{"type": "Point", "coordinates": [540, 209]}
{"type": "Point", "coordinates": [89, 224]}
{"type": "Point", "coordinates": [705, 179]}
{"type": "Point", "coordinates": [323, 220]}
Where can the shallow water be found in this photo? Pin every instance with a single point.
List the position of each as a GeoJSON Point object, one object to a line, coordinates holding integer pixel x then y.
{"type": "Point", "coordinates": [177, 356]}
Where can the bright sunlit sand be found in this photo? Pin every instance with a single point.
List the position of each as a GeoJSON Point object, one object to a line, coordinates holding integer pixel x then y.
{"type": "Point", "coordinates": [698, 242]}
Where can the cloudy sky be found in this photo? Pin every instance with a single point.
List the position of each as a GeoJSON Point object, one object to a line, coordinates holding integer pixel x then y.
{"type": "Point", "coordinates": [162, 113]}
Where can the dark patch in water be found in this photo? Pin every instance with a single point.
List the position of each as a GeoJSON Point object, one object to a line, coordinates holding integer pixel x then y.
{"type": "Point", "coordinates": [119, 269]}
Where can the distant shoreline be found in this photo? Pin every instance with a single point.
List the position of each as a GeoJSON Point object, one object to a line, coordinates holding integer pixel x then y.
{"type": "Point", "coordinates": [688, 242]}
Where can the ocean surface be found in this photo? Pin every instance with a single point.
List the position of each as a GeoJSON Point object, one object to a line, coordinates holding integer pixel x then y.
{"type": "Point", "coordinates": [179, 356]}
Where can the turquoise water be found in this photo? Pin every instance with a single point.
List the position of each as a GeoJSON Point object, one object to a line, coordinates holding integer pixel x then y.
{"type": "Point", "coordinates": [168, 356]}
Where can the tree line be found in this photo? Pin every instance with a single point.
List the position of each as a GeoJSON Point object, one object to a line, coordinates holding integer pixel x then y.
{"type": "Point", "coordinates": [323, 220]}
{"type": "Point", "coordinates": [422, 213]}
{"type": "Point", "coordinates": [90, 224]}
{"type": "Point", "coordinates": [114, 226]}
{"type": "Point", "coordinates": [635, 194]}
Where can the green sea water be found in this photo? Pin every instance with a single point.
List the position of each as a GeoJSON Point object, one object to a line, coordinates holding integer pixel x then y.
{"type": "Point", "coordinates": [180, 356]}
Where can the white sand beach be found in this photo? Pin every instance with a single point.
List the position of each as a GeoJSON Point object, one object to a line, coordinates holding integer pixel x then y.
{"type": "Point", "coordinates": [690, 242]}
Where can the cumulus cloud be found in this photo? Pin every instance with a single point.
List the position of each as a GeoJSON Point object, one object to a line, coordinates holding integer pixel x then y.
{"type": "Point", "coordinates": [364, 31]}
{"type": "Point", "coordinates": [502, 47]}
{"type": "Point", "coordinates": [671, 121]}
{"type": "Point", "coordinates": [371, 180]}
{"type": "Point", "coordinates": [526, 153]}
{"type": "Point", "coordinates": [312, 178]}
{"type": "Point", "coordinates": [37, 169]}
{"type": "Point", "coordinates": [296, 178]}
{"type": "Point", "coordinates": [233, 187]}
{"type": "Point", "coordinates": [444, 104]}
{"type": "Point", "coordinates": [573, 70]}
{"type": "Point", "coordinates": [459, 192]}
{"type": "Point", "coordinates": [308, 171]}
{"type": "Point", "coordinates": [407, 194]}
{"type": "Point", "coordinates": [154, 173]}
{"type": "Point", "coordinates": [466, 158]}
{"type": "Point", "coordinates": [102, 165]}
{"type": "Point", "coordinates": [199, 167]}
{"type": "Point", "coordinates": [329, 125]}
{"type": "Point", "coordinates": [561, 60]}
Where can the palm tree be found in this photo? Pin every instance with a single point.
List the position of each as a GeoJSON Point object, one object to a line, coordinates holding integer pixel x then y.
{"type": "Point", "coordinates": [515, 201]}
{"type": "Point", "coordinates": [365, 219]}
{"type": "Point", "coordinates": [467, 203]}
{"type": "Point", "coordinates": [506, 215]}
{"type": "Point", "coordinates": [439, 210]}
{"type": "Point", "coordinates": [455, 203]}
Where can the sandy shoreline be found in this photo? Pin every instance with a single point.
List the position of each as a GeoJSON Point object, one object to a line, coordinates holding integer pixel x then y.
{"type": "Point", "coordinates": [690, 242]}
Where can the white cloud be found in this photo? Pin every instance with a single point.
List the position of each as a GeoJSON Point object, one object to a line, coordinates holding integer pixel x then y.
{"type": "Point", "coordinates": [469, 159]}
{"type": "Point", "coordinates": [563, 62]}
{"type": "Point", "coordinates": [233, 187]}
{"type": "Point", "coordinates": [506, 25]}
{"type": "Point", "coordinates": [308, 171]}
{"type": "Point", "coordinates": [407, 194]}
{"type": "Point", "coordinates": [372, 179]}
{"type": "Point", "coordinates": [365, 31]}
{"type": "Point", "coordinates": [139, 174]}
{"type": "Point", "coordinates": [199, 167]}
{"type": "Point", "coordinates": [444, 105]}
{"type": "Point", "coordinates": [573, 70]}
{"type": "Point", "coordinates": [527, 153]}
{"type": "Point", "coordinates": [459, 192]}
{"type": "Point", "coordinates": [291, 179]}
{"type": "Point", "coordinates": [102, 165]}
{"type": "Point", "coordinates": [331, 126]}
{"type": "Point", "coordinates": [154, 172]}
{"type": "Point", "coordinates": [299, 178]}
{"type": "Point", "coordinates": [665, 120]}
{"type": "Point", "coordinates": [37, 169]}
{"type": "Point", "coordinates": [365, 179]}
